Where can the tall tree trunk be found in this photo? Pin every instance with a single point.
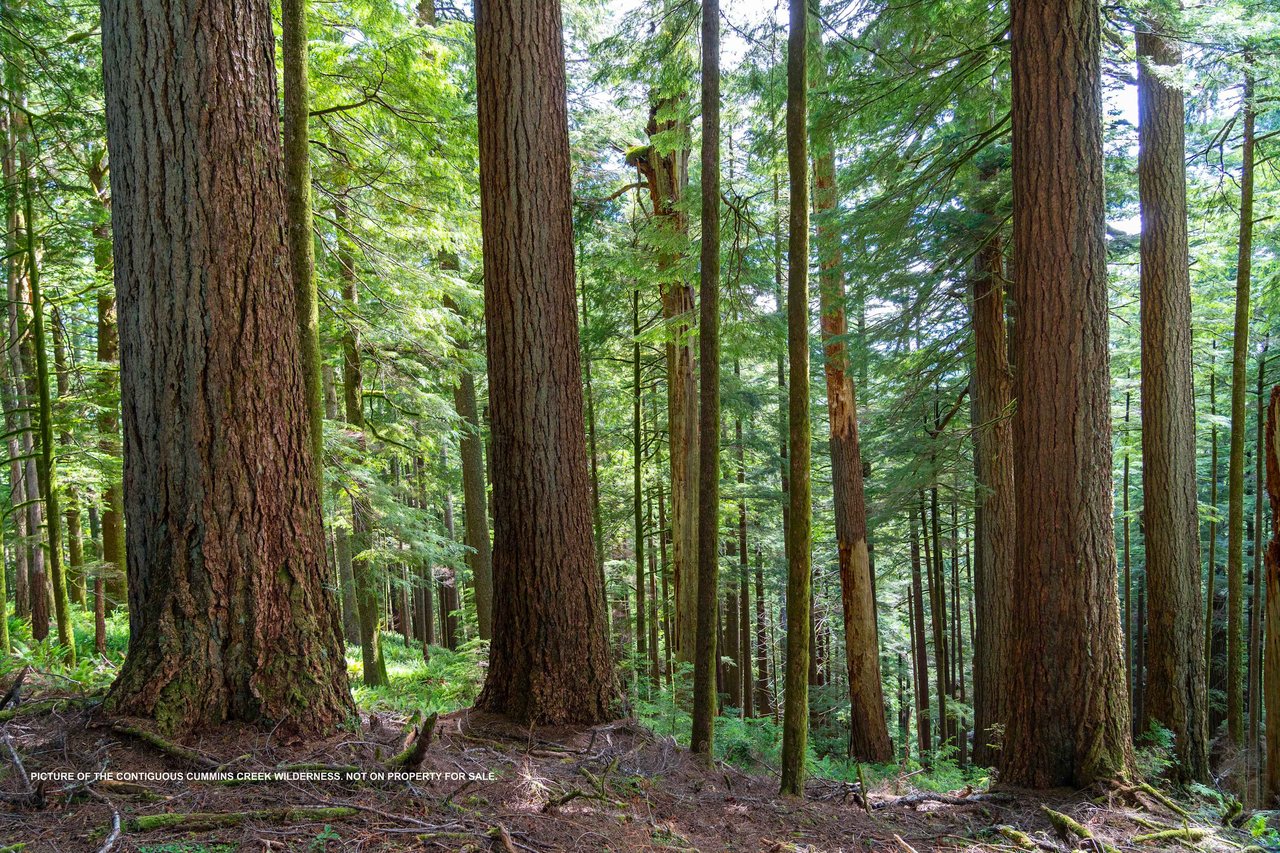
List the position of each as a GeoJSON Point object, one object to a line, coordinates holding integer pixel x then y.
{"type": "Point", "coordinates": [368, 586]}
{"type": "Point", "coordinates": [708, 533]}
{"type": "Point", "coordinates": [76, 589]}
{"type": "Point", "coordinates": [1235, 469]}
{"type": "Point", "coordinates": [475, 503]}
{"type": "Point", "coordinates": [550, 659]}
{"type": "Point", "coordinates": [869, 731]}
{"type": "Point", "coordinates": [341, 533]}
{"type": "Point", "coordinates": [1212, 561]}
{"type": "Point", "coordinates": [1256, 602]}
{"type": "Point", "coordinates": [637, 475]}
{"type": "Point", "coordinates": [46, 472]}
{"type": "Point", "coordinates": [1068, 711]}
{"type": "Point", "coordinates": [664, 164]}
{"type": "Point", "coordinates": [1168, 412]}
{"type": "Point", "coordinates": [994, 507]}
{"type": "Point", "coordinates": [450, 598]}
{"type": "Point", "coordinates": [795, 728]}
{"type": "Point", "coordinates": [764, 703]}
{"type": "Point", "coordinates": [748, 688]}
{"type": "Point", "coordinates": [297, 185]}
{"type": "Point", "coordinates": [112, 569]}
{"type": "Point", "coordinates": [919, 653]}
{"type": "Point", "coordinates": [229, 618]}
{"type": "Point", "coordinates": [1271, 463]}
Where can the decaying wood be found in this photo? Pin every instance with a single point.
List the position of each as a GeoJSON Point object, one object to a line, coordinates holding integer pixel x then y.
{"type": "Point", "coordinates": [411, 757]}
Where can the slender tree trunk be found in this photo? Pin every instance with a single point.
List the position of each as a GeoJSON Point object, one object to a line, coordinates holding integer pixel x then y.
{"type": "Point", "coordinates": [637, 474]}
{"type": "Point", "coordinates": [46, 472]}
{"type": "Point", "coordinates": [1235, 469]}
{"type": "Point", "coordinates": [1212, 561]}
{"type": "Point", "coordinates": [664, 166]}
{"type": "Point", "coordinates": [708, 534]}
{"type": "Point", "coordinates": [76, 589]}
{"type": "Point", "coordinates": [1271, 463]}
{"type": "Point", "coordinates": [112, 570]}
{"type": "Point", "coordinates": [475, 503]}
{"type": "Point", "coordinates": [297, 185]}
{"type": "Point", "coordinates": [748, 688]}
{"type": "Point", "coordinates": [229, 618]}
{"type": "Point", "coordinates": [369, 603]}
{"type": "Point", "coordinates": [1168, 412]}
{"type": "Point", "coordinates": [1256, 604]}
{"type": "Point", "coordinates": [994, 506]}
{"type": "Point", "coordinates": [795, 729]}
{"type": "Point", "coordinates": [920, 659]}
{"type": "Point", "coordinates": [99, 596]}
{"type": "Point", "coordinates": [869, 732]}
{"type": "Point", "coordinates": [1068, 712]}
{"type": "Point", "coordinates": [549, 661]}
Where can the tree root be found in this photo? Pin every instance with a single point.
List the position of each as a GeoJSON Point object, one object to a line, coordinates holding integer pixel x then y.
{"type": "Point", "coordinates": [168, 747]}
{"type": "Point", "coordinates": [216, 820]}
{"type": "Point", "coordinates": [411, 757]}
{"type": "Point", "coordinates": [11, 695]}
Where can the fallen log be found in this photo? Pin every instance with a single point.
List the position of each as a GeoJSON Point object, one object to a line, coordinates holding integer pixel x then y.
{"type": "Point", "coordinates": [216, 820]}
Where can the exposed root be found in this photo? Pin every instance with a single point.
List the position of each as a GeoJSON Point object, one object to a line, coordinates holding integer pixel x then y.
{"type": "Point", "coordinates": [168, 747]}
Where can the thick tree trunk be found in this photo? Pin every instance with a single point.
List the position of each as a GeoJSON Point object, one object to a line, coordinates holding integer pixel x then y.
{"type": "Point", "coordinates": [995, 510]}
{"type": "Point", "coordinates": [550, 659]}
{"type": "Point", "coordinates": [1068, 711]}
{"type": "Point", "coordinates": [1176, 697]}
{"type": "Point", "coordinates": [1235, 468]}
{"type": "Point", "coordinates": [795, 728]}
{"type": "Point", "coordinates": [229, 618]}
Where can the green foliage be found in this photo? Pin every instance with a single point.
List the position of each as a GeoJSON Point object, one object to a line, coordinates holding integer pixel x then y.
{"type": "Point", "coordinates": [446, 682]}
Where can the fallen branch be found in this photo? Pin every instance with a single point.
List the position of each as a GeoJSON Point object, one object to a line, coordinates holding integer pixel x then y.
{"type": "Point", "coordinates": [44, 706]}
{"type": "Point", "coordinates": [500, 834]}
{"type": "Point", "coordinates": [1067, 826]}
{"type": "Point", "coordinates": [411, 757]}
{"type": "Point", "coordinates": [1169, 804]}
{"type": "Point", "coordinates": [931, 797]}
{"type": "Point", "coordinates": [216, 820]}
{"type": "Point", "coordinates": [1186, 833]}
{"type": "Point", "coordinates": [11, 695]}
{"type": "Point", "coordinates": [114, 835]}
{"type": "Point", "coordinates": [1016, 837]}
{"type": "Point", "coordinates": [168, 747]}
{"type": "Point", "coordinates": [907, 848]}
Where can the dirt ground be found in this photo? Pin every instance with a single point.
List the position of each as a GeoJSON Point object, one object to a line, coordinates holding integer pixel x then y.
{"type": "Point", "coordinates": [485, 785]}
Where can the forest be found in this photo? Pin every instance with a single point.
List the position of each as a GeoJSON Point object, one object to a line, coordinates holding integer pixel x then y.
{"type": "Point", "coordinates": [767, 425]}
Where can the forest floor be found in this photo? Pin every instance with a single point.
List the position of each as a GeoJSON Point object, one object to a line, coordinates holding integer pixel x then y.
{"type": "Point", "coordinates": [486, 785]}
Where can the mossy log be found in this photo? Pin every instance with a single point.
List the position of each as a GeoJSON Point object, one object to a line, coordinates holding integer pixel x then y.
{"type": "Point", "coordinates": [216, 820]}
{"type": "Point", "coordinates": [1185, 833]}
{"type": "Point", "coordinates": [1017, 837]}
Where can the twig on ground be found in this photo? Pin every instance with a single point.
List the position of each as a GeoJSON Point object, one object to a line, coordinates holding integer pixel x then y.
{"type": "Point", "coordinates": [114, 835]}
